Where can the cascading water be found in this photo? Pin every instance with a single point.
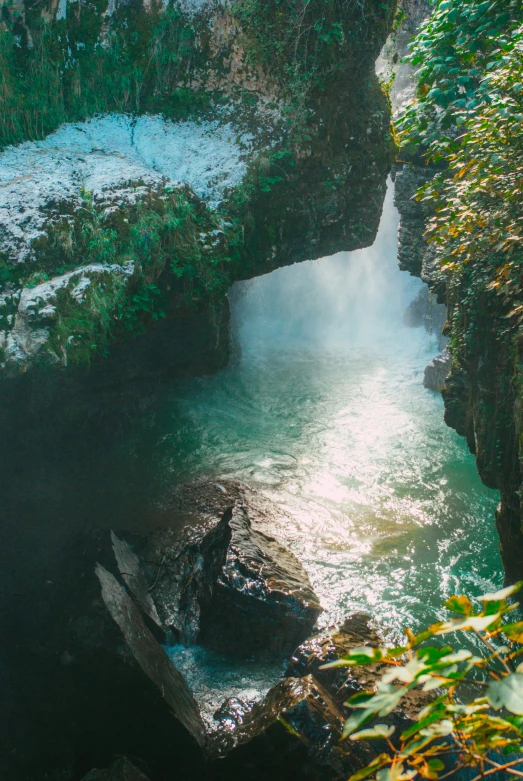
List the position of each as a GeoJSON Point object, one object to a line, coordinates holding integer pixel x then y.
{"type": "Point", "coordinates": [324, 411]}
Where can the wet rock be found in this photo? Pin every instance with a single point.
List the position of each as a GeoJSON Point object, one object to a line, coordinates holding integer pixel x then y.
{"type": "Point", "coordinates": [342, 682]}
{"type": "Point", "coordinates": [437, 371]}
{"type": "Point", "coordinates": [297, 711]}
{"type": "Point", "coordinates": [426, 312]}
{"type": "Point", "coordinates": [304, 708]}
{"type": "Point", "coordinates": [263, 597]}
{"type": "Point", "coordinates": [121, 770]}
{"type": "Point", "coordinates": [234, 589]}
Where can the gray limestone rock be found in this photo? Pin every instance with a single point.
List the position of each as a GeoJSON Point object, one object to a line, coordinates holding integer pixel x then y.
{"type": "Point", "coordinates": [437, 371]}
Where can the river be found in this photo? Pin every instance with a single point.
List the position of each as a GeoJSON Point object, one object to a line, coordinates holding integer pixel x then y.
{"type": "Point", "coordinates": [323, 410]}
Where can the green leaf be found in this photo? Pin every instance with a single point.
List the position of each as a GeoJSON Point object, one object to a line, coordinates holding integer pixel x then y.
{"type": "Point", "coordinates": [358, 655]}
{"type": "Point", "coordinates": [378, 731]}
{"type": "Point", "coordinates": [359, 700]}
{"type": "Point", "coordinates": [420, 724]}
{"type": "Point", "coordinates": [395, 773]}
{"type": "Point", "coordinates": [499, 596]}
{"type": "Point", "coordinates": [514, 631]}
{"type": "Point", "coordinates": [355, 721]}
{"type": "Point", "coordinates": [376, 764]}
{"type": "Point", "coordinates": [461, 604]}
{"type": "Point", "coordinates": [507, 693]}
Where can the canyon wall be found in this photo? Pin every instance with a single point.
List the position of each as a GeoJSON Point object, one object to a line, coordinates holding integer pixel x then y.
{"type": "Point", "coordinates": [482, 392]}
{"type": "Point", "coordinates": [461, 257]}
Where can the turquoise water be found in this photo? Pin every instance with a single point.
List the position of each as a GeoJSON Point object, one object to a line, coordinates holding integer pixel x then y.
{"type": "Point", "coordinates": [324, 411]}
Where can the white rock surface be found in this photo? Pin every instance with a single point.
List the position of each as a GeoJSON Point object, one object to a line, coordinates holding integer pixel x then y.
{"type": "Point", "coordinates": [105, 155]}
{"type": "Point", "coordinates": [37, 310]}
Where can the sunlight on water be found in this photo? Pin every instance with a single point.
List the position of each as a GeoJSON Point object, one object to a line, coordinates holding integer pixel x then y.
{"type": "Point", "coordinates": [324, 410]}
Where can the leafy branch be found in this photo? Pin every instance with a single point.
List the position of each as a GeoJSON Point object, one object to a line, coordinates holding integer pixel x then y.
{"type": "Point", "coordinates": [483, 732]}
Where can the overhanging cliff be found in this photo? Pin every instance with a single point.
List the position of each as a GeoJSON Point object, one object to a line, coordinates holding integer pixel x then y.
{"type": "Point", "coordinates": [225, 140]}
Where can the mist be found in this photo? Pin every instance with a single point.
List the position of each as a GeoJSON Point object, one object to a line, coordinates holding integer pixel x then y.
{"type": "Point", "coordinates": [345, 302]}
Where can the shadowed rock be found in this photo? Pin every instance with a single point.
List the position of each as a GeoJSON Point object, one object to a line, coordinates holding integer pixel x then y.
{"type": "Point", "coordinates": [150, 655]}
{"type": "Point", "coordinates": [437, 371]}
{"type": "Point", "coordinates": [121, 770]}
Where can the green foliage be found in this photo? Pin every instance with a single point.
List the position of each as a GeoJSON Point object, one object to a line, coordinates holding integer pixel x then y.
{"type": "Point", "coordinates": [453, 724]}
{"type": "Point", "coordinates": [305, 46]}
{"type": "Point", "coordinates": [461, 40]}
{"type": "Point", "coordinates": [167, 241]}
{"type": "Point", "coordinates": [479, 202]}
{"type": "Point", "coordinates": [72, 69]}
{"type": "Point", "coordinates": [467, 121]}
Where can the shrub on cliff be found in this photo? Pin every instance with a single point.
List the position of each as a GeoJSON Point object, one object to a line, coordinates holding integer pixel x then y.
{"type": "Point", "coordinates": [467, 120]}
{"type": "Point", "coordinates": [475, 719]}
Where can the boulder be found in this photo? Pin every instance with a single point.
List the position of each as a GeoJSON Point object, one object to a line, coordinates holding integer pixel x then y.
{"type": "Point", "coordinates": [234, 588]}
{"type": "Point", "coordinates": [342, 682]}
{"type": "Point", "coordinates": [262, 597]}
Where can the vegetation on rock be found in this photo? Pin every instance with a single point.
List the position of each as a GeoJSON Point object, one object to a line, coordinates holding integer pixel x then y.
{"type": "Point", "coordinates": [466, 122]}
{"type": "Point", "coordinates": [276, 70]}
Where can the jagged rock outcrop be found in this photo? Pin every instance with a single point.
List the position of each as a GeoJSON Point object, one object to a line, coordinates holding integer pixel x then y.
{"type": "Point", "coordinates": [93, 655]}
{"type": "Point", "coordinates": [235, 154]}
{"type": "Point", "coordinates": [234, 589]}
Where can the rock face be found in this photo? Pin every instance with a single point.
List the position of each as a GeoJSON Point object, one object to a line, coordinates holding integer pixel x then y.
{"type": "Point", "coordinates": [481, 391]}
{"type": "Point", "coordinates": [234, 589]}
{"type": "Point", "coordinates": [437, 371]}
{"type": "Point", "coordinates": [426, 312]}
{"type": "Point", "coordinates": [237, 157]}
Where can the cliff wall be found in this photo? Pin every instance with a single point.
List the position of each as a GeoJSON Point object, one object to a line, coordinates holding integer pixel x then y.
{"type": "Point", "coordinates": [203, 143]}
{"type": "Point", "coordinates": [459, 230]}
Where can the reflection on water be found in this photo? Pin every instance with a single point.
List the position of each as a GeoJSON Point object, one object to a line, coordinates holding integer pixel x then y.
{"type": "Point", "coordinates": [324, 410]}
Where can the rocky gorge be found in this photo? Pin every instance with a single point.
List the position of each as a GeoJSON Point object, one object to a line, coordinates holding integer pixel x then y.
{"type": "Point", "coordinates": [152, 156]}
{"type": "Point", "coordinates": [175, 150]}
